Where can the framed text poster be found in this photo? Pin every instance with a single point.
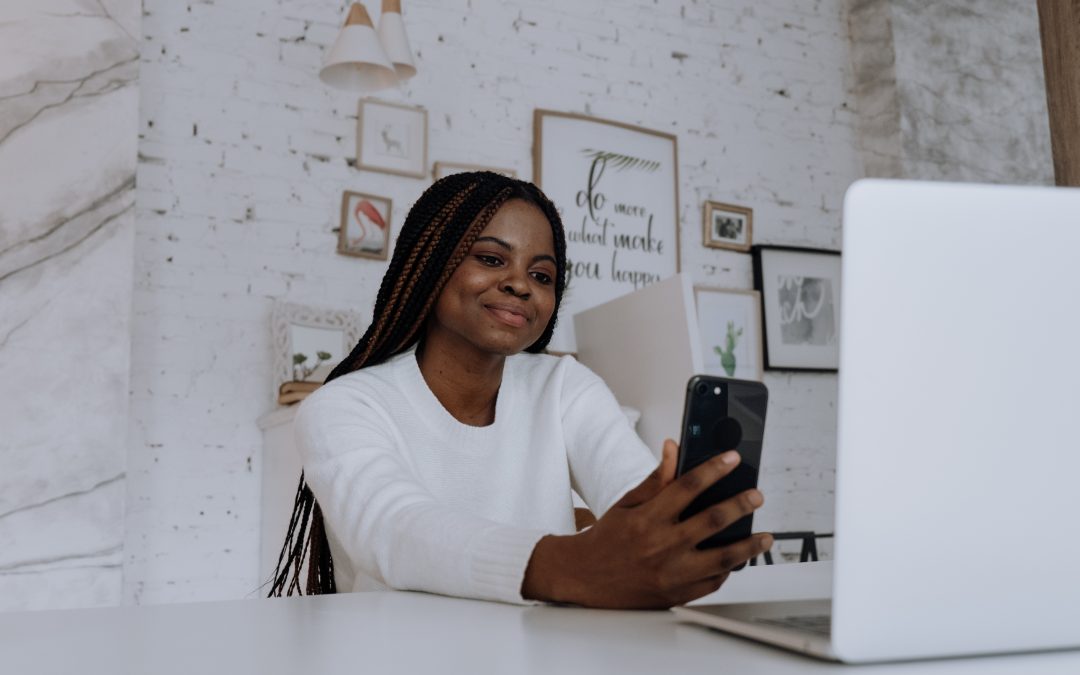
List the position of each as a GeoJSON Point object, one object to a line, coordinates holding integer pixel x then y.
{"type": "Point", "coordinates": [617, 189]}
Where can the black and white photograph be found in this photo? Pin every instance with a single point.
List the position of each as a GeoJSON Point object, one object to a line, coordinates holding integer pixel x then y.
{"type": "Point", "coordinates": [391, 138]}
{"type": "Point", "coordinates": [727, 226]}
{"type": "Point", "coordinates": [800, 297]}
{"type": "Point", "coordinates": [807, 313]}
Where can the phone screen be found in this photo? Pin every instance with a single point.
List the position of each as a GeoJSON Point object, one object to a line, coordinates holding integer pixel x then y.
{"type": "Point", "coordinates": [722, 414]}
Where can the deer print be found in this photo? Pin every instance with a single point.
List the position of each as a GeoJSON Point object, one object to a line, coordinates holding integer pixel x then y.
{"type": "Point", "coordinates": [393, 146]}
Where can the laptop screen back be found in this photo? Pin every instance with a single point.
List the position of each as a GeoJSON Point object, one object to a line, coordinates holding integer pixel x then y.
{"type": "Point", "coordinates": [958, 469]}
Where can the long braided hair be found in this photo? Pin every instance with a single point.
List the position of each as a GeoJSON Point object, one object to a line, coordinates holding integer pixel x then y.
{"type": "Point", "coordinates": [440, 229]}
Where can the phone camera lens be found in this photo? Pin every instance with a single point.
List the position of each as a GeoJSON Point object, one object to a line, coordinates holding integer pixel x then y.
{"type": "Point", "coordinates": [701, 388]}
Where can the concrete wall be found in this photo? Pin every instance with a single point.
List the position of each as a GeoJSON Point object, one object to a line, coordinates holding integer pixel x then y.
{"type": "Point", "coordinates": [951, 90]}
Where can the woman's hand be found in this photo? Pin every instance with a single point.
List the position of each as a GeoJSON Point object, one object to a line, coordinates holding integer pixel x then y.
{"type": "Point", "coordinates": [638, 555]}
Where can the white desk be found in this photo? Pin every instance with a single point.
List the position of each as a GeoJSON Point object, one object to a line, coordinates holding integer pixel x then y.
{"type": "Point", "coordinates": [359, 633]}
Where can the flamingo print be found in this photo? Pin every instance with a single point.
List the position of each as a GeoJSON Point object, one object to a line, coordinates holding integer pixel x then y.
{"type": "Point", "coordinates": [372, 227]}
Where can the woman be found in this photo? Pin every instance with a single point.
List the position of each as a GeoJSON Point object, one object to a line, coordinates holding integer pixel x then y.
{"type": "Point", "coordinates": [443, 456]}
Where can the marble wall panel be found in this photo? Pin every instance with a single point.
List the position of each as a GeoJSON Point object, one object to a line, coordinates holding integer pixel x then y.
{"type": "Point", "coordinates": [68, 133]}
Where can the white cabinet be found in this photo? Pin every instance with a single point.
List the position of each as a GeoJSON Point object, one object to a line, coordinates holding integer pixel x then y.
{"type": "Point", "coordinates": [280, 476]}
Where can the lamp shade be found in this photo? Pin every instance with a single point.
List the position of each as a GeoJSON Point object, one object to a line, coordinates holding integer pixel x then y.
{"type": "Point", "coordinates": [357, 61]}
{"type": "Point", "coordinates": [394, 40]}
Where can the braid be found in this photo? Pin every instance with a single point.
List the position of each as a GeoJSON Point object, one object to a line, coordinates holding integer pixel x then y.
{"type": "Point", "coordinates": [438, 233]}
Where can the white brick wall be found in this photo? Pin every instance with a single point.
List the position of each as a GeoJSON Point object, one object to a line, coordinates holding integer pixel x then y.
{"type": "Point", "coordinates": [244, 155]}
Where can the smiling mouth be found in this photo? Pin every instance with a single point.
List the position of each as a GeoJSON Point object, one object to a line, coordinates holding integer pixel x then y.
{"type": "Point", "coordinates": [507, 316]}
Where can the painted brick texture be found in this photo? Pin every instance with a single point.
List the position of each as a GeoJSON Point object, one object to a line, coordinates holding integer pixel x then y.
{"type": "Point", "coordinates": [244, 155]}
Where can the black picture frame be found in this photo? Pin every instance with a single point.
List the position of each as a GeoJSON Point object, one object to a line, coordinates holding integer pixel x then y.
{"type": "Point", "coordinates": [806, 358]}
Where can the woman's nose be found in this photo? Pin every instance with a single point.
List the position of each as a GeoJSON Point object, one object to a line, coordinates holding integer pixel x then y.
{"type": "Point", "coordinates": [515, 284]}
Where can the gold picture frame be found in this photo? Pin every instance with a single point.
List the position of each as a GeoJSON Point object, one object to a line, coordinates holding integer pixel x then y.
{"type": "Point", "coordinates": [392, 138]}
{"type": "Point", "coordinates": [732, 342]}
{"type": "Point", "coordinates": [727, 226]}
{"type": "Point", "coordinates": [365, 229]}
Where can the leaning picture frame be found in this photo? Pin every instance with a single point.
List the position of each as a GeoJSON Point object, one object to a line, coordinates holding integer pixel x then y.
{"type": "Point", "coordinates": [391, 138]}
{"type": "Point", "coordinates": [727, 226]}
{"type": "Point", "coordinates": [307, 331]}
{"type": "Point", "coordinates": [364, 231]}
{"type": "Point", "coordinates": [800, 307]}
{"type": "Point", "coordinates": [729, 322]}
{"type": "Point", "coordinates": [444, 169]}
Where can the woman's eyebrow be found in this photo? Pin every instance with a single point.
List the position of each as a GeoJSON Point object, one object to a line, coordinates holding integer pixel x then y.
{"type": "Point", "coordinates": [495, 240]}
{"type": "Point", "coordinates": [508, 247]}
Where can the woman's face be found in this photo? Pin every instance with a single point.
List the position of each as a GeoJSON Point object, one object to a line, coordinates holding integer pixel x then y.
{"type": "Point", "coordinates": [501, 297]}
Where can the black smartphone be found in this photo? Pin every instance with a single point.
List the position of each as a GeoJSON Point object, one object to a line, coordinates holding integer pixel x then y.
{"type": "Point", "coordinates": [722, 414]}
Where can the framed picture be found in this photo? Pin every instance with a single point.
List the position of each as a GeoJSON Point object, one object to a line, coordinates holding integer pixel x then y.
{"type": "Point", "coordinates": [730, 326]}
{"type": "Point", "coordinates": [365, 226]}
{"type": "Point", "coordinates": [392, 138]}
{"type": "Point", "coordinates": [444, 169]}
{"type": "Point", "coordinates": [727, 226]}
{"type": "Point", "coordinates": [617, 188]}
{"type": "Point", "coordinates": [800, 300]}
{"type": "Point", "coordinates": [310, 341]}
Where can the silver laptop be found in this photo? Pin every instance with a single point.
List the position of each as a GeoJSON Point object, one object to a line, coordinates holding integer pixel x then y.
{"type": "Point", "coordinates": [958, 467]}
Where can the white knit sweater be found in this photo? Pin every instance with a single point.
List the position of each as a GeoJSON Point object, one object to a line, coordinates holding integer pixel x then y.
{"type": "Point", "coordinates": [415, 500]}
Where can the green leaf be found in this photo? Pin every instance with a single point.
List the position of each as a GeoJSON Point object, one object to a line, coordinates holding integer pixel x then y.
{"type": "Point", "coordinates": [619, 161]}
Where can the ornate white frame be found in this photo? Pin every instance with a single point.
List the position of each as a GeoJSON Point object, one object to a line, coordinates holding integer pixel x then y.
{"type": "Point", "coordinates": [287, 314]}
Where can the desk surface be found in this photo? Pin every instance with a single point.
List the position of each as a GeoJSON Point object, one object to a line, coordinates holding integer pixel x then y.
{"type": "Point", "coordinates": [417, 633]}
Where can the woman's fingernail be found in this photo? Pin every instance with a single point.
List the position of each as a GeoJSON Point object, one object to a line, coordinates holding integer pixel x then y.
{"type": "Point", "coordinates": [766, 542]}
{"type": "Point", "coordinates": [729, 457]}
{"type": "Point", "coordinates": [755, 498]}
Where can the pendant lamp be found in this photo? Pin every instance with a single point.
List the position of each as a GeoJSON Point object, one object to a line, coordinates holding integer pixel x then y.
{"type": "Point", "coordinates": [357, 61]}
{"type": "Point", "coordinates": [394, 40]}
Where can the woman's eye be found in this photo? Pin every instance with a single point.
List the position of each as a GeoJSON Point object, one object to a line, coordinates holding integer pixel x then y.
{"type": "Point", "coordinates": [489, 260]}
{"type": "Point", "coordinates": [542, 277]}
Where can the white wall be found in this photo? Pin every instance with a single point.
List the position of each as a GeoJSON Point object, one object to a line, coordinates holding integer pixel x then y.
{"type": "Point", "coordinates": [244, 155]}
{"type": "Point", "coordinates": [68, 97]}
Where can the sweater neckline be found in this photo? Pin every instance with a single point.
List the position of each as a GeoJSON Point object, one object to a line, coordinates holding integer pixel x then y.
{"type": "Point", "coordinates": [435, 414]}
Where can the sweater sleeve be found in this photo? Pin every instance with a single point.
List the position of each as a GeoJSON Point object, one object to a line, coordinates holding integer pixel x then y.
{"type": "Point", "coordinates": [391, 526]}
{"type": "Point", "coordinates": [607, 457]}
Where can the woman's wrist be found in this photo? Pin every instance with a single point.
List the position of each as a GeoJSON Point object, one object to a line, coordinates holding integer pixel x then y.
{"type": "Point", "coordinates": [550, 574]}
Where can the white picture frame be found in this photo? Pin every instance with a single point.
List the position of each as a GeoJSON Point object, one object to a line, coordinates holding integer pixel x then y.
{"type": "Point", "coordinates": [617, 189]}
{"type": "Point", "coordinates": [800, 306]}
{"type": "Point", "coordinates": [392, 138]}
{"type": "Point", "coordinates": [297, 328]}
{"type": "Point", "coordinates": [729, 325]}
